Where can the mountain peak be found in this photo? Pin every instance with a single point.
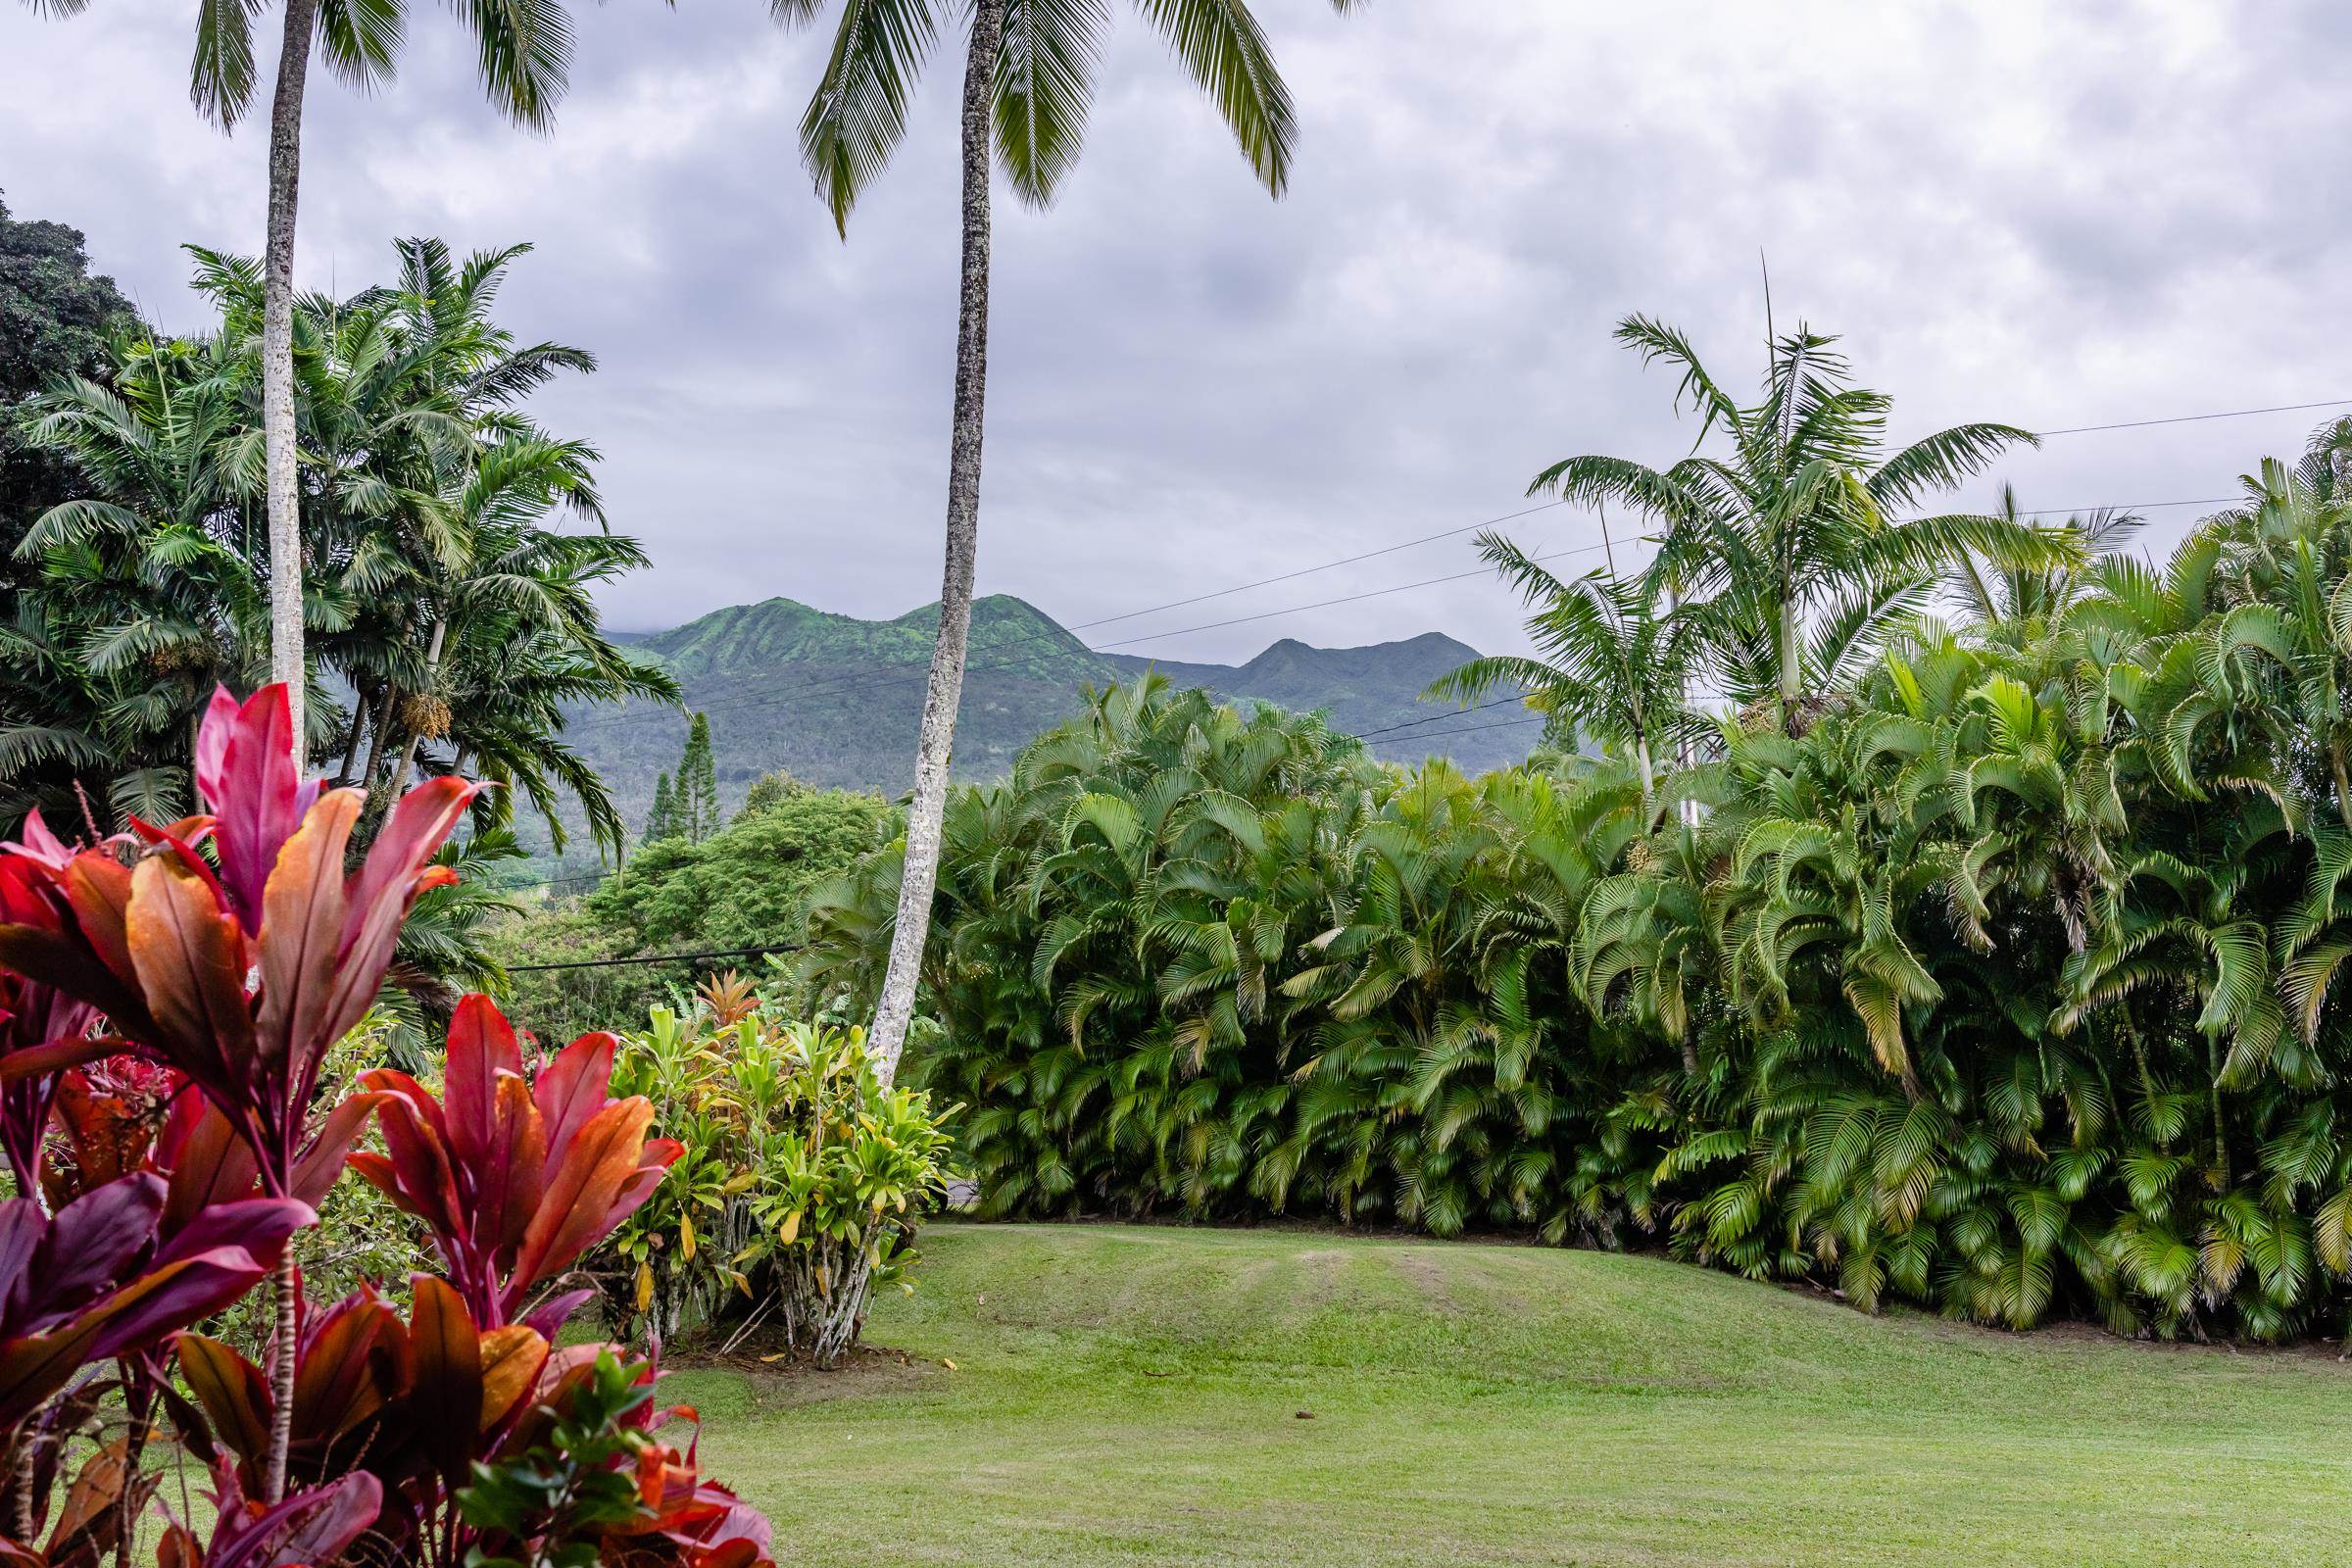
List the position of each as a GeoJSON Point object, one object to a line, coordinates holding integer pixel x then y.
{"type": "Point", "coordinates": [835, 700]}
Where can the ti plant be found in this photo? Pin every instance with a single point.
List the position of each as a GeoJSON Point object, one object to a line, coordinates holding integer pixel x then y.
{"type": "Point", "coordinates": [225, 955]}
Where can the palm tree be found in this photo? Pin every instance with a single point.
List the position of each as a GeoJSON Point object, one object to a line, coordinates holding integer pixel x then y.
{"type": "Point", "coordinates": [1027, 80]}
{"type": "Point", "coordinates": [142, 601]}
{"type": "Point", "coordinates": [1793, 539]}
{"type": "Point", "coordinates": [1607, 663]}
{"type": "Point", "coordinates": [461, 616]}
{"type": "Point", "coordinates": [525, 54]}
{"type": "Point", "coordinates": [2027, 598]}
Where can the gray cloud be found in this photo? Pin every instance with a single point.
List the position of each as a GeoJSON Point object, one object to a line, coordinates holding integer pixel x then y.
{"type": "Point", "coordinates": [2125, 211]}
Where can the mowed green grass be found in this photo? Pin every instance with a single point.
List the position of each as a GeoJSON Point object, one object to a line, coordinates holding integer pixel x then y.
{"type": "Point", "coordinates": [1131, 1394]}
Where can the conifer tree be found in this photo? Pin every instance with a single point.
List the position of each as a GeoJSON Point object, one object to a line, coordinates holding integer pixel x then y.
{"type": "Point", "coordinates": [696, 797]}
{"type": "Point", "coordinates": [662, 820]}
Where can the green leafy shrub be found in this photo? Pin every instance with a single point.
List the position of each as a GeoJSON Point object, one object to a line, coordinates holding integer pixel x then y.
{"type": "Point", "coordinates": [746, 885]}
{"type": "Point", "coordinates": [802, 1182]}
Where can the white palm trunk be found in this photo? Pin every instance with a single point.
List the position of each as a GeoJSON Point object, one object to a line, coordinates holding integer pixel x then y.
{"type": "Point", "coordinates": [277, 364]}
{"type": "Point", "coordinates": [285, 551]}
{"type": "Point", "coordinates": [935, 744]}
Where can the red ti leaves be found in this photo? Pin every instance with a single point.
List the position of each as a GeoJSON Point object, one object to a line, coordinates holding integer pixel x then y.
{"type": "Point", "coordinates": [514, 1180]}
{"type": "Point", "coordinates": [99, 1277]}
{"type": "Point", "coordinates": [242, 978]}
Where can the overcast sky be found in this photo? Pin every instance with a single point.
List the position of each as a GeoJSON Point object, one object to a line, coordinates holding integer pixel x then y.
{"type": "Point", "coordinates": [2137, 210]}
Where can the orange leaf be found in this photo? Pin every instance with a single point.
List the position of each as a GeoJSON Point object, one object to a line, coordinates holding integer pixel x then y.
{"type": "Point", "coordinates": [448, 1387]}
{"type": "Point", "coordinates": [575, 1210]}
{"type": "Point", "coordinates": [190, 958]}
{"type": "Point", "coordinates": [511, 1357]}
{"type": "Point", "coordinates": [302, 925]}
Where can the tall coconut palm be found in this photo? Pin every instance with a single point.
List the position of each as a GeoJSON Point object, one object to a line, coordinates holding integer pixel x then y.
{"type": "Point", "coordinates": [525, 54]}
{"type": "Point", "coordinates": [1028, 77]}
{"type": "Point", "coordinates": [1794, 540]}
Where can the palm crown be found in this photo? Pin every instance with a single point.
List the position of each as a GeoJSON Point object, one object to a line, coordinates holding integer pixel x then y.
{"type": "Point", "coordinates": [1791, 542]}
{"type": "Point", "coordinates": [1044, 84]}
{"type": "Point", "coordinates": [1605, 666]}
{"type": "Point", "coordinates": [525, 50]}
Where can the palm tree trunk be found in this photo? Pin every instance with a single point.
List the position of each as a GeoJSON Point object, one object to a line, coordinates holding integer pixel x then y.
{"type": "Point", "coordinates": [285, 549]}
{"type": "Point", "coordinates": [433, 669]}
{"type": "Point", "coordinates": [281, 1382]}
{"type": "Point", "coordinates": [278, 366]}
{"type": "Point", "coordinates": [2221, 1126]}
{"type": "Point", "coordinates": [358, 727]}
{"type": "Point", "coordinates": [1792, 675]}
{"type": "Point", "coordinates": [937, 739]}
{"type": "Point", "coordinates": [2343, 783]}
{"type": "Point", "coordinates": [375, 741]}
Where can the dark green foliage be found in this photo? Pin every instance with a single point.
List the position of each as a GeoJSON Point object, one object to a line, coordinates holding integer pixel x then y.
{"type": "Point", "coordinates": [696, 799]}
{"type": "Point", "coordinates": [744, 886]}
{"type": "Point", "coordinates": [447, 587]}
{"type": "Point", "coordinates": [662, 821]}
{"type": "Point", "coordinates": [746, 883]}
{"type": "Point", "coordinates": [558, 1502]}
{"type": "Point", "coordinates": [1199, 961]}
{"type": "Point", "coordinates": [563, 1004]}
{"type": "Point", "coordinates": [55, 319]}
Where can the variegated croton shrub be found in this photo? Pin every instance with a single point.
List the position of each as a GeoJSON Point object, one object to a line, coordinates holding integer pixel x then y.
{"type": "Point", "coordinates": [165, 1001]}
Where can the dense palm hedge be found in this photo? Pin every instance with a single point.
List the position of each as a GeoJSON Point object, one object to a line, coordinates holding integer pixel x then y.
{"type": "Point", "coordinates": [1997, 979]}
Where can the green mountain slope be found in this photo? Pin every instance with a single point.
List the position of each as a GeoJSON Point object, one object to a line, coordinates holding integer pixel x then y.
{"type": "Point", "coordinates": [835, 700]}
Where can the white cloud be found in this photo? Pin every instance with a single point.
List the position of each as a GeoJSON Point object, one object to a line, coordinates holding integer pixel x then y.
{"type": "Point", "coordinates": [2110, 211]}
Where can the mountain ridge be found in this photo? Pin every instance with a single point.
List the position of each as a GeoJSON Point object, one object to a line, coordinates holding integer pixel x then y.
{"type": "Point", "coordinates": [835, 700]}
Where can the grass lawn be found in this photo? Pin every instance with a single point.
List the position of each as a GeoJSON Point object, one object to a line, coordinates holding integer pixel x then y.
{"type": "Point", "coordinates": [1129, 1395]}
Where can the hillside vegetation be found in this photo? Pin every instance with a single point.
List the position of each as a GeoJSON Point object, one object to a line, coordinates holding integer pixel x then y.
{"type": "Point", "coordinates": [1131, 1396]}
{"type": "Point", "coordinates": [833, 700]}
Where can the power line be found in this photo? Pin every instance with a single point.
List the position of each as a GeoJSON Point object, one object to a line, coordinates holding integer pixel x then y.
{"type": "Point", "coordinates": [1435, 718]}
{"type": "Point", "coordinates": [2194, 418]}
{"type": "Point", "coordinates": [1344, 599]}
{"type": "Point", "coordinates": [1473, 729]}
{"type": "Point", "coordinates": [552, 881]}
{"type": "Point", "coordinates": [2131, 505]}
{"type": "Point", "coordinates": [1308, 571]}
{"type": "Point", "coordinates": [651, 957]}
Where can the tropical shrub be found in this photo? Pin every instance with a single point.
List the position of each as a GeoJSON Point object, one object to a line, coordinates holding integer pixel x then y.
{"type": "Point", "coordinates": [1196, 961]}
{"type": "Point", "coordinates": [189, 995]}
{"type": "Point", "coordinates": [800, 1182]}
{"type": "Point", "coordinates": [1999, 974]}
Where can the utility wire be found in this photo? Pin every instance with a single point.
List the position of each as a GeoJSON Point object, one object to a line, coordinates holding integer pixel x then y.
{"type": "Point", "coordinates": [2131, 505]}
{"type": "Point", "coordinates": [651, 957]}
{"type": "Point", "coordinates": [1473, 729]}
{"type": "Point", "coordinates": [1439, 717]}
{"type": "Point", "coordinates": [2194, 418]}
{"type": "Point", "coordinates": [1346, 599]}
{"type": "Point", "coordinates": [1308, 571]}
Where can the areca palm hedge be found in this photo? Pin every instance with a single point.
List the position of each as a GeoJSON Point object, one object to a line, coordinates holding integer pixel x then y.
{"type": "Point", "coordinates": [2002, 972]}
